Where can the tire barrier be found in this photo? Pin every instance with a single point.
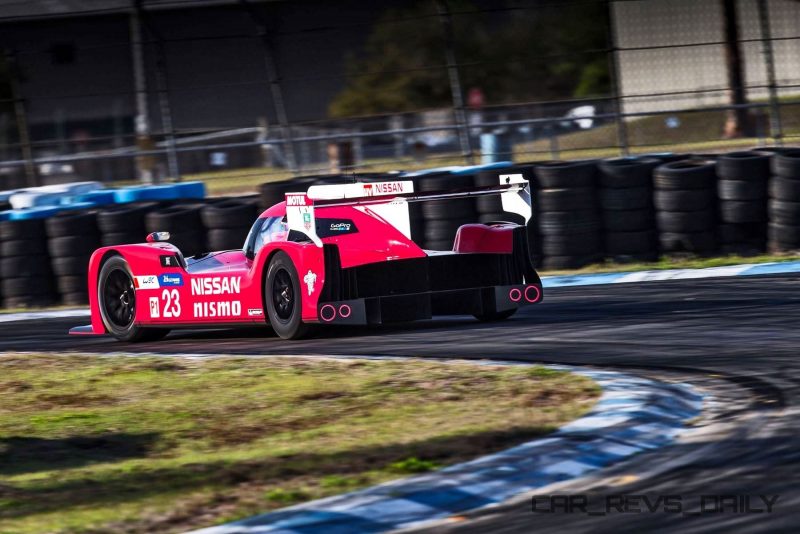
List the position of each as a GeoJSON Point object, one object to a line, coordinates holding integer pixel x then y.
{"type": "Point", "coordinates": [626, 202]}
{"type": "Point", "coordinates": [72, 237]}
{"type": "Point", "coordinates": [123, 224]}
{"type": "Point", "coordinates": [227, 223]}
{"type": "Point", "coordinates": [686, 204]}
{"type": "Point", "coordinates": [442, 218]}
{"type": "Point", "coordinates": [568, 217]}
{"type": "Point", "coordinates": [742, 192]}
{"type": "Point", "coordinates": [184, 225]}
{"type": "Point", "coordinates": [25, 264]}
{"type": "Point", "coordinates": [783, 232]}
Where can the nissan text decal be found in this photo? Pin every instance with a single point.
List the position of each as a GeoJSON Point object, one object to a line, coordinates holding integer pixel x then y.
{"type": "Point", "coordinates": [217, 285]}
{"type": "Point", "coordinates": [383, 188]}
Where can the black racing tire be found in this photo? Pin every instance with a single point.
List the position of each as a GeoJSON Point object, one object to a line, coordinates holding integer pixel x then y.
{"type": "Point", "coordinates": [488, 204]}
{"type": "Point", "coordinates": [786, 235]}
{"type": "Point", "coordinates": [442, 230]}
{"type": "Point", "coordinates": [571, 245]}
{"type": "Point", "coordinates": [700, 242]}
{"type": "Point", "coordinates": [72, 246]}
{"type": "Point", "coordinates": [16, 266]}
{"type": "Point", "coordinates": [686, 221]}
{"type": "Point", "coordinates": [226, 238]}
{"type": "Point", "coordinates": [495, 316]}
{"type": "Point", "coordinates": [463, 209]}
{"type": "Point", "coordinates": [769, 150]}
{"type": "Point", "coordinates": [783, 211]}
{"type": "Point", "coordinates": [576, 198]}
{"type": "Point", "coordinates": [786, 164]}
{"type": "Point", "coordinates": [626, 172]}
{"type": "Point", "coordinates": [784, 189]}
{"type": "Point", "coordinates": [685, 174]}
{"type": "Point", "coordinates": [72, 284]}
{"type": "Point", "coordinates": [742, 233]}
{"type": "Point", "coordinates": [70, 265]}
{"type": "Point", "coordinates": [741, 189]}
{"type": "Point", "coordinates": [189, 243]}
{"type": "Point", "coordinates": [228, 214]}
{"type": "Point", "coordinates": [684, 200]}
{"type": "Point", "coordinates": [174, 219]}
{"type": "Point", "coordinates": [745, 166]}
{"type": "Point", "coordinates": [565, 174]}
{"type": "Point", "coordinates": [283, 297]}
{"type": "Point", "coordinates": [629, 220]}
{"type": "Point", "coordinates": [743, 211]}
{"type": "Point", "coordinates": [446, 182]}
{"type": "Point", "coordinates": [72, 223]}
{"type": "Point", "coordinates": [121, 238]}
{"type": "Point", "coordinates": [124, 218]}
{"type": "Point", "coordinates": [485, 218]}
{"type": "Point", "coordinates": [622, 243]}
{"type": "Point", "coordinates": [630, 198]}
{"type": "Point", "coordinates": [31, 229]}
{"type": "Point", "coordinates": [116, 297]}
{"type": "Point", "coordinates": [75, 299]}
{"type": "Point", "coordinates": [567, 222]}
{"type": "Point", "coordinates": [26, 286]}
{"type": "Point", "coordinates": [438, 244]}
{"type": "Point", "coordinates": [23, 247]}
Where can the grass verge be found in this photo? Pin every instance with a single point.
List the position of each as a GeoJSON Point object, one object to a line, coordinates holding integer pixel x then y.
{"type": "Point", "coordinates": [153, 444]}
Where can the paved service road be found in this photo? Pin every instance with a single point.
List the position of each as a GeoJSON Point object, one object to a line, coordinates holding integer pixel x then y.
{"type": "Point", "coordinates": [743, 333]}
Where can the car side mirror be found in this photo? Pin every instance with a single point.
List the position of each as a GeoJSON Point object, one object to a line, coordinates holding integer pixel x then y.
{"type": "Point", "coordinates": [156, 237]}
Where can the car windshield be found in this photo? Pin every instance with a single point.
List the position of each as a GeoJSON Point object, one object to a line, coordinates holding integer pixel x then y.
{"type": "Point", "coordinates": [272, 229]}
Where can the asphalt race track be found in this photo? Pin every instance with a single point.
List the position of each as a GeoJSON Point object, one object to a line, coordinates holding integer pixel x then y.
{"type": "Point", "coordinates": [735, 338]}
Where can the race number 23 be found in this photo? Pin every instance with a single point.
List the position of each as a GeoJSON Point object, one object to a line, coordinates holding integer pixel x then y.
{"type": "Point", "coordinates": [172, 303]}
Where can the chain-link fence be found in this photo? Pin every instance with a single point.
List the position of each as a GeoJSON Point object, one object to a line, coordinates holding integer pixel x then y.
{"type": "Point", "coordinates": [240, 92]}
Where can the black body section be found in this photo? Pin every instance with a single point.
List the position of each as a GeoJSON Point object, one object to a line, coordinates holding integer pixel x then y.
{"type": "Point", "coordinates": [441, 284]}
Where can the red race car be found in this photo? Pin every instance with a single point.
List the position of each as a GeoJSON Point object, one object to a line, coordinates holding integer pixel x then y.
{"type": "Point", "coordinates": [337, 254]}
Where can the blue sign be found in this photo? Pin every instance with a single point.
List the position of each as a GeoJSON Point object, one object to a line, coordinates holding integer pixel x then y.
{"type": "Point", "coordinates": [170, 279]}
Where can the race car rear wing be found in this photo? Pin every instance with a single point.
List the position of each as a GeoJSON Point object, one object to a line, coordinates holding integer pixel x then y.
{"type": "Point", "coordinates": [389, 200]}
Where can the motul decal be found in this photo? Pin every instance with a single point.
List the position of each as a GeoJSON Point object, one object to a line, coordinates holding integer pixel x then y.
{"type": "Point", "coordinates": [216, 285]}
{"type": "Point", "coordinates": [297, 200]}
{"type": "Point", "coordinates": [217, 309]}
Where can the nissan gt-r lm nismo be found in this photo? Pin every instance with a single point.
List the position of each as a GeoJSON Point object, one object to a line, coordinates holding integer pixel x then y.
{"type": "Point", "coordinates": [335, 255]}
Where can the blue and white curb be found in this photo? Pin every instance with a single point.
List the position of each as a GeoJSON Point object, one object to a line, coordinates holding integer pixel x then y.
{"type": "Point", "coordinates": [632, 415]}
{"type": "Point", "coordinates": [750, 269]}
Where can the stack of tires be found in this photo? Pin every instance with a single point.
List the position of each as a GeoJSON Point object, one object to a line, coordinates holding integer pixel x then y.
{"type": "Point", "coordinates": [685, 199]}
{"type": "Point", "coordinates": [490, 207]}
{"type": "Point", "coordinates": [124, 223]}
{"type": "Point", "coordinates": [742, 191]}
{"type": "Point", "coordinates": [227, 223]}
{"type": "Point", "coordinates": [442, 218]}
{"type": "Point", "coordinates": [184, 225]}
{"type": "Point", "coordinates": [784, 202]}
{"type": "Point", "coordinates": [626, 202]}
{"type": "Point", "coordinates": [25, 265]}
{"type": "Point", "coordinates": [72, 237]}
{"type": "Point", "coordinates": [568, 218]}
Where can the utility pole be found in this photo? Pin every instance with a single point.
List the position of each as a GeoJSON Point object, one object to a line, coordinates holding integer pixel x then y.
{"type": "Point", "coordinates": [274, 84]}
{"type": "Point", "coordinates": [21, 118]}
{"type": "Point", "coordinates": [736, 124]}
{"type": "Point", "coordinates": [616, 81]}
{"type": "Point", "coordinates": [144, 141]}
{"type": "Point", "coordinates": [455, 80]}
{"type": "Point", "coordinates": [162, 87]}
{"type": "Point", "coordinates": [776, 125]}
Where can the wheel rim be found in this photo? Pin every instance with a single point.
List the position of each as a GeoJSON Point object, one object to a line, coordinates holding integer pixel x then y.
{"type": "Point", "coordinates": [283, 295]}
{"type": "Point", "coordinates": [119, 298]}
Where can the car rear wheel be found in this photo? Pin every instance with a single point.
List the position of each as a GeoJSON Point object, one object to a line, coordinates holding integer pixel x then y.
{"type": "Point", "coordinates": [283, 298]}
{"type": "Point", "coordinates": [116, 297]}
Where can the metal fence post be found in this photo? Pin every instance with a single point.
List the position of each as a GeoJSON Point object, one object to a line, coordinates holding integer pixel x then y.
{"type": "Point", "coordinates": [144, 164]}
{"type": "Point", "coordinates": [21, 118]}
{"type": "Point", "coordinates": [776, 125]}
{"type": "Point", "coordinates": [274, 85]}
{"type": "Point", "coordinates": [455, 81]}
{"type": "Point", "coordinates": [614, 77]}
